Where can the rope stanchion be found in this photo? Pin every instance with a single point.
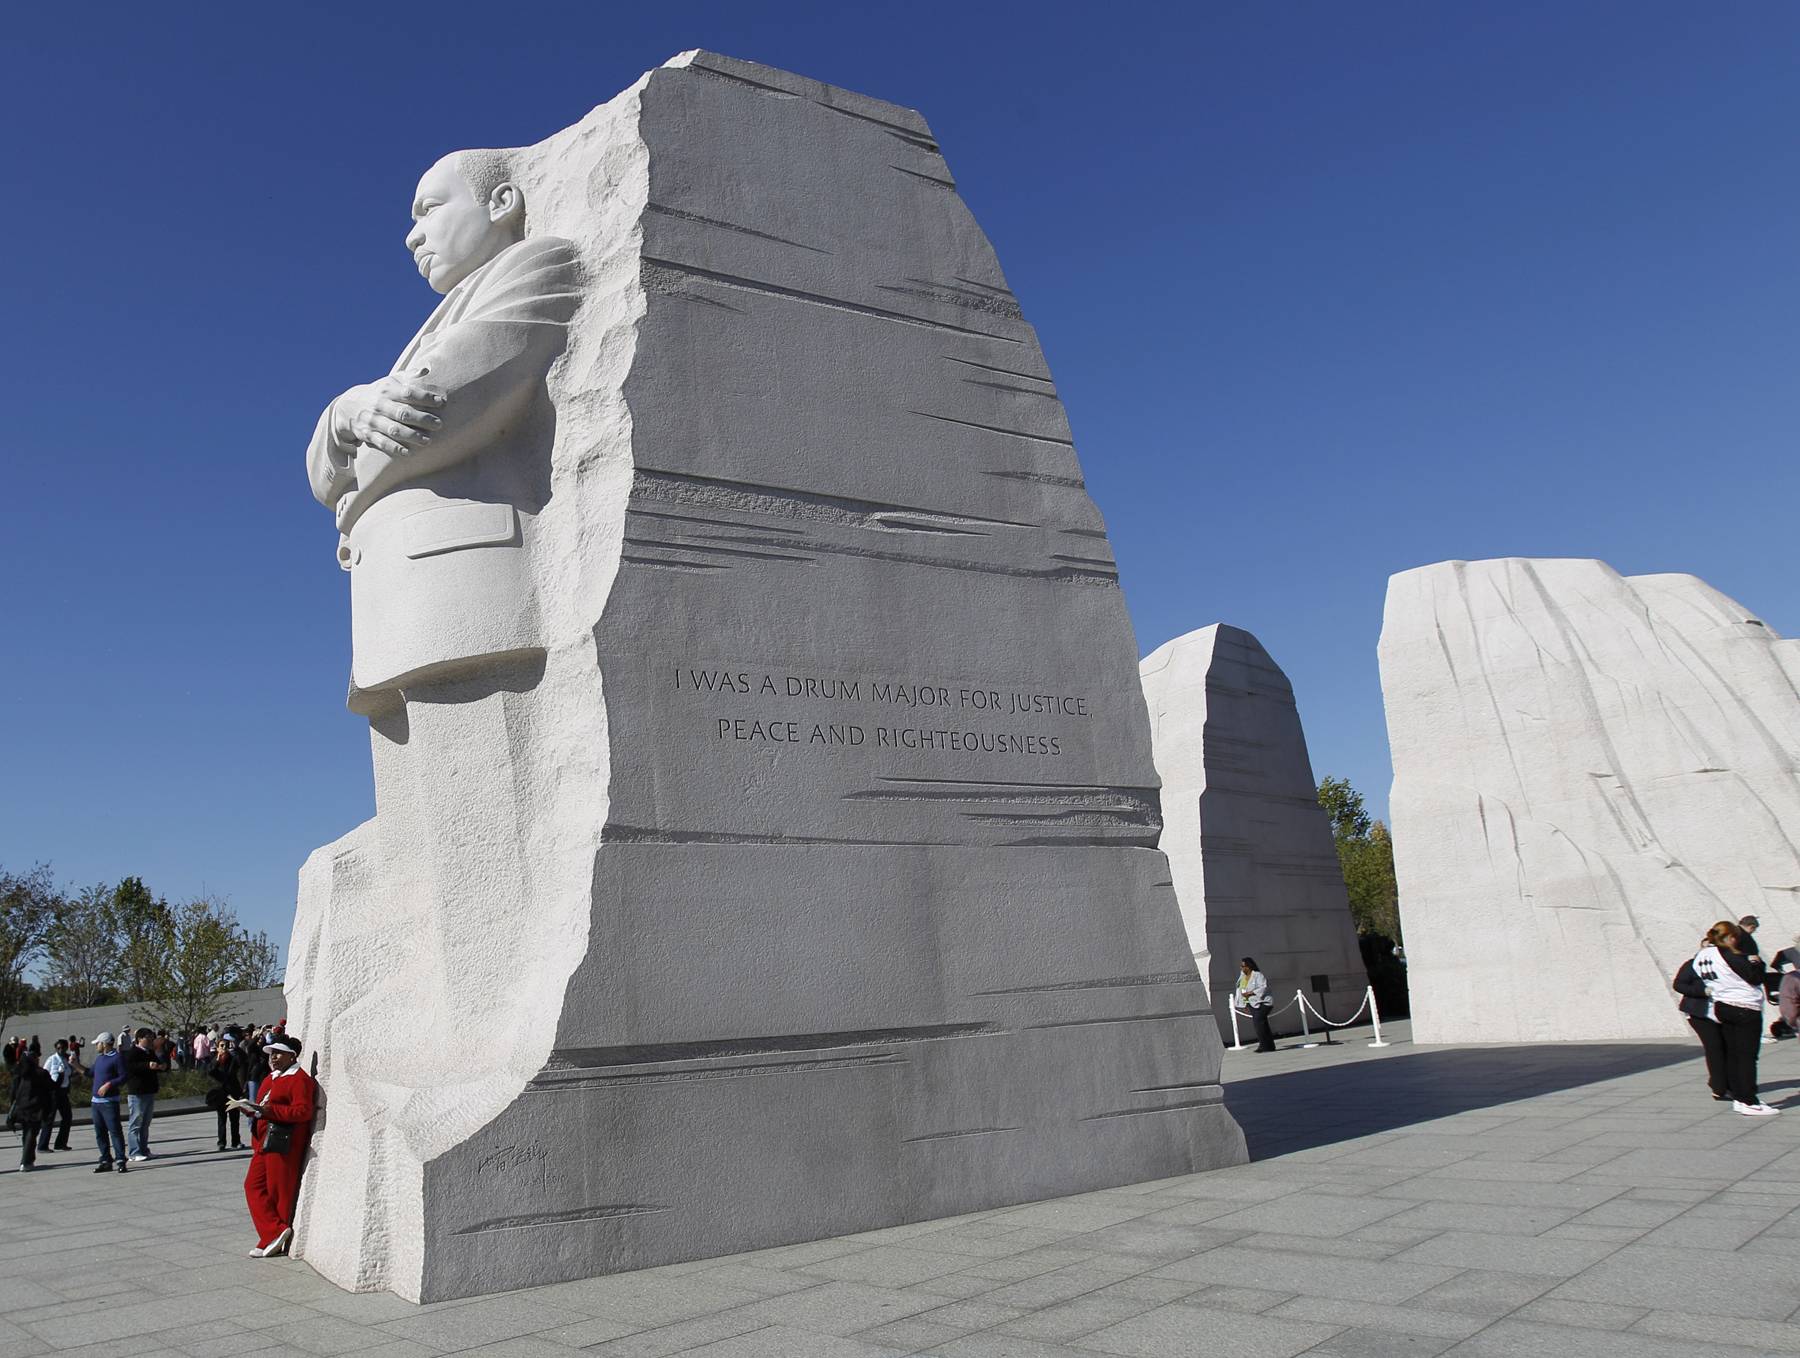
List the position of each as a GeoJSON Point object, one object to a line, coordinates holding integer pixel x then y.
{"type": "Point", "coordinates": [1368, 996]}
{"type": "Point", "coordinates": [1306, 1006]}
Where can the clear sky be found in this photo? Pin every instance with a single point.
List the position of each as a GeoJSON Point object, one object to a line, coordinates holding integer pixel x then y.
{"type": "Point", "coordinates": [1330, 290]}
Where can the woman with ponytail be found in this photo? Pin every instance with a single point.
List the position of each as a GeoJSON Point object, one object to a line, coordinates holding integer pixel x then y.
{"type": "Point", "coordinates": [1734, 994]}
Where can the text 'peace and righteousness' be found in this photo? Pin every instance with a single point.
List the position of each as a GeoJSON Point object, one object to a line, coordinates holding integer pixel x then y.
{"type": "Point", "coordinates": [898, 714]}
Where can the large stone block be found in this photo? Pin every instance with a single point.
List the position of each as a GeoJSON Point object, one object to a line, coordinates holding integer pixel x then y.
{"type": "Point", "coordinates": [1249, 847]}
{"type": "Point", "coordinates": [774, 854]}
{"type": "Point", "coordinates": [1589, 770]}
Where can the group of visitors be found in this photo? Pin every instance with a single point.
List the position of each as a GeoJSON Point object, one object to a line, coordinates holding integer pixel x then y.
{"type": "Point", "coordinates": [234, 1060]}
{"type": "Point", "coordinates": [1722, 988]}
{"type": "Point", "coordinates": [252, 1074]}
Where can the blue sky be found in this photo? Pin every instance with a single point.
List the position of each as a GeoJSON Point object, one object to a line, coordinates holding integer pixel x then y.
{"type": "Point", "coordinates": [1330, 290]}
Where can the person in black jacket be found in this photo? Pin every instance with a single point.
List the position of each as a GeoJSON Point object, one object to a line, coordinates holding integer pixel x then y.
{"type": "Point", "coordinates": [1698, 1010]}
{"type": "Point", "coordinates": [256, 1065]}
{"type": "Point", "coordinates": [141, 1086]}
{"type": "Point", "coordinates": [227, 1084]}
{"type": "Point", "coordinates": [31, 1106]}
{"type": "Point", "coordinates": [1734, 989]}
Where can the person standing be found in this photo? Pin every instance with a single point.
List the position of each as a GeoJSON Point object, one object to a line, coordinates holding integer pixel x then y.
{"type": "Point", "coordinates": [61, 1072]}
{"type": "Point", "coordinates": [227, 1086]}
{"type": "Point", "coordinates": [103, 1106]}
{"type": "Point", "coordinates": [141, 1086]}
{"type": "Point", "coordinates": [1254, 998]}
{"type": "Point", "coordinates": [281, 1123]}
{"type": "Point", "coordinates": [31, 1106]}
{"type": "Point", "coordinates": [203, 1049]}
{"type": "Point", "coordinates": [1734, 985]}
{"type": "Point", "coordinates": [256, 1063]}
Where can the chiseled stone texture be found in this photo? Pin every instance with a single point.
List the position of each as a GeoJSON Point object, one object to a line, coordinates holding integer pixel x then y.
{"type": "Point", "coordinates": [1589, 769]}
{"type": "Point", "coordinates": [1249, 847]}
{"type": "Point", "coordinates": [806, 882]}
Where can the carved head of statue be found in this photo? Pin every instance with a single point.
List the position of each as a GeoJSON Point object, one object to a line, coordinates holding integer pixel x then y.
{"type": "Point", "coordinates": [466, 211]}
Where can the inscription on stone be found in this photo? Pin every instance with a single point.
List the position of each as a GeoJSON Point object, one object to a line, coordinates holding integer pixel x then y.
{"type": "Point", "coordinates": [772, 707]}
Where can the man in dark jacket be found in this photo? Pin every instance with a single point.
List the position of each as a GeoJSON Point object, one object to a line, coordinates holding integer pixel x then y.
{"type": "Point", "coordinates": [141, 1084]}
{"type": "Point", "coordinates": [31, 1106]}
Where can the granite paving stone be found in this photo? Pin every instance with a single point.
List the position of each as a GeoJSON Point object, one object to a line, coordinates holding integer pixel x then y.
{"type": "Point", "coordinates": [1361, 1343]}
{"type": "Point", "coordinates": [1541, 1239]}
{"type": "Point", "coordinates": [1183, 1328]}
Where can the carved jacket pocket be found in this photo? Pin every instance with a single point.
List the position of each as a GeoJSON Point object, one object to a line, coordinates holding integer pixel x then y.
{"type": "Point", "coordinates": [449, 528]}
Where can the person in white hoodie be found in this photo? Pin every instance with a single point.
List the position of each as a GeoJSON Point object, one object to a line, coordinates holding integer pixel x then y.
{"type": "Point", "coordinates": [1734, 988]}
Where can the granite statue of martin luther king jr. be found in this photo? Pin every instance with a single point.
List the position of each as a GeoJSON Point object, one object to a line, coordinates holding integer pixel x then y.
{"type": "Point", "coordinates": [435, 473]}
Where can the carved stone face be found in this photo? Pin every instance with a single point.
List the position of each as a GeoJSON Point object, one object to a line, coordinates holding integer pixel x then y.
{"type": "Point", "coordinates": [454, 233]}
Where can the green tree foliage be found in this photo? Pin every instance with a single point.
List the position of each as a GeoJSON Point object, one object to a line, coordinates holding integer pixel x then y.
{"type": "Point", "coordinates": [1366, 855]}
{"type": "Point", "coordinates": [29, 906]}
{"type": "Point", "coordinates": [82, 966]}
{"type": "Point", "coordinates": [261, 965]}
{"type": "Point", "coordinates": [141, 925]}
{"type": "Point", "coordinates": [204, 954]}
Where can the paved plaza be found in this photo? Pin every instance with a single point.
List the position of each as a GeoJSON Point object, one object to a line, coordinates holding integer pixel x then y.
{"type": "Point", "coordinates": [1566, 1200]}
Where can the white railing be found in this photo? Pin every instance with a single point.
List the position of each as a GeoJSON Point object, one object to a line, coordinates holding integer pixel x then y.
{"type": "Point", "coordinates": [1237, 1041]}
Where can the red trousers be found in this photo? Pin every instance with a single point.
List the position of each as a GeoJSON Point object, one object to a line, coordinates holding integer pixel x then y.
{"type": "Point", "coordinates": [272, 1187]}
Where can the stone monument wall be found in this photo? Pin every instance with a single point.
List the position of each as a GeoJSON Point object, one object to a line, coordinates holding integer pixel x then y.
{"type": "Point", "coordinates": [1589, 770]}
{"type": "Point", "coordinates": [1249, 847]}
{"type": "Point", "coordinates": [805, 881]}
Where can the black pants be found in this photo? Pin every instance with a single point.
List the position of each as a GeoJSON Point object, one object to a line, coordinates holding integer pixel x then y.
{"type": "Point", "coordinates": [1741, 1032]}
{"type": "Point", "coordinates": [59, 1108]}
{"type": "Point", "coordinates": [1714, 1047]}
{"type": "Point", "coordinates": [1259, 1015]}
{"type": "Point", "coordinates": [28, 1152]}
{"type": "Point", "coordinates": [236, 1127]}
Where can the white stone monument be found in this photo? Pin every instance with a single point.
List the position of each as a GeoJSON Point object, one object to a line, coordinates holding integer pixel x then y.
{"type": "Point", "coordinates": [1589, 770]}
{"type": "Point", "coordinates": [765, 822]}
{"type": "Point", "coordinates": [1249, 846]}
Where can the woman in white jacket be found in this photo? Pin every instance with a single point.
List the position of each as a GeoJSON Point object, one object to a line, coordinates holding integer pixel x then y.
{"type": "Point", "coordinates": [1734, 988]}
{"type": "Point", "coordinates": [1253, 997]}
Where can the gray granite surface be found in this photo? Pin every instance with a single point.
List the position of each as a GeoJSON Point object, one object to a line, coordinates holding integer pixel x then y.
{"type": "Point", "coordinates": [1575, 1199]}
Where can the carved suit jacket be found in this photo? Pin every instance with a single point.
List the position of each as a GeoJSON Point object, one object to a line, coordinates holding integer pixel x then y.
{"type": "Point", "coordinates": [438, 542]}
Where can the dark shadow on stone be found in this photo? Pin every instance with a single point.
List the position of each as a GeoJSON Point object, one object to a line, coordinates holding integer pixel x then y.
{"type": "Point", "coordinates": [1323, 1105]}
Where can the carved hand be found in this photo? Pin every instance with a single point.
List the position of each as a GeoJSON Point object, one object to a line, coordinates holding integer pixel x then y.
{"type": "Point", "coordinates": [394, 415]}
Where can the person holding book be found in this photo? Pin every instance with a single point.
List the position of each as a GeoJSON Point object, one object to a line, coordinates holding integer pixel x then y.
{"type": "Point", "coordinates": [280, 1123]}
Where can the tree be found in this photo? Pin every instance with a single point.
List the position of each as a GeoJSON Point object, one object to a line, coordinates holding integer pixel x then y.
{"type": "Point", "coordinates": [29, 905]}
{"type": "Point", "coordinates": [1366, 855]}
{"type": "Point", "coordinates": [204, 955]}
{"type": "Point", "coordinates": [83, 946]}
{"type": "Point", "coordinates": [262, 966]}
{"type": "Point", "coordinates": [141, 924]}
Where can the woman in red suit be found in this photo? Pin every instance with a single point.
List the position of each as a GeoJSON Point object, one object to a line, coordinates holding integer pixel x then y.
{"type": "Point", "coordinates": [281, 1121]}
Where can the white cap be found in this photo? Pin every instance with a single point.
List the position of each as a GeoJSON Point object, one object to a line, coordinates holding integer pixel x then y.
{"type": "Point", "coordinates": [103, 1039]}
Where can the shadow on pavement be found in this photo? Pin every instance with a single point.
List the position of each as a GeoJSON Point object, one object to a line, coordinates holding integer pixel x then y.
{"type": "Point", "coordinates": [1322, 1105]}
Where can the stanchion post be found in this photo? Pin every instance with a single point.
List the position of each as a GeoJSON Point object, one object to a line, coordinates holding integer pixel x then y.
{"type": "Point", "coordinates": [1375, 1018]}
{"type": "Point", "coordinates": [1237, 1043]}
{"type": "Point", "coordinates": [1321, 984]}
{"type": "Point", "coordinates": [1305, 1031]}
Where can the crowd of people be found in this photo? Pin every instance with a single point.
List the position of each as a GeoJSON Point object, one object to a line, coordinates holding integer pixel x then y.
{"type": "Point", "coordinates": [251, 1074]}
{"type": "Point", "coordinates": [233, 1059]}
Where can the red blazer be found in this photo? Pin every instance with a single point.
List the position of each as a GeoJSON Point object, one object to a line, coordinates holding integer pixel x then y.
{"type": "Point", "coordinates": [291, 1099]}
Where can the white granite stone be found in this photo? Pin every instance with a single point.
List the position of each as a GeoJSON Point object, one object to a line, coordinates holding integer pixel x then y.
{"type": "Point", "coordinates": [1249, 847]}
{"type": "Point", "coordinates": [765, 835]}
{"type": "Point", "coordinates": [1589, 770]}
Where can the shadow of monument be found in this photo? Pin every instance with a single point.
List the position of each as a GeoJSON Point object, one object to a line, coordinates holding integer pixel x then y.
{"type": "Point", "coordinates": [1322, 1105]}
